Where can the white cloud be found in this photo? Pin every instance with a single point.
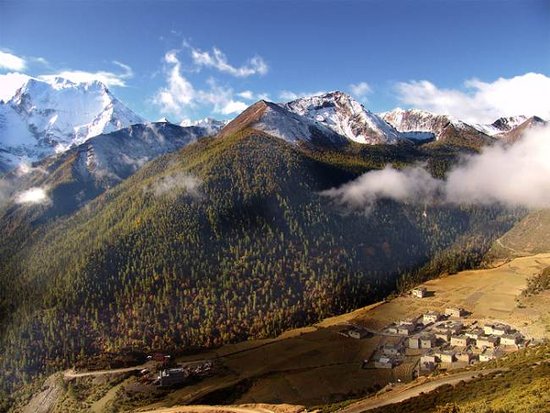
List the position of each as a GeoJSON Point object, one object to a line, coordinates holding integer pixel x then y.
{"type": "Point", "coordinates": [218, 60]}
{"type": "Point", "coordinates": [249, 95]}
{"type": "Point", "coordinates": [360, 90]}
{"type": "Point", "coordinates": [177, 182]}
{"type": "Point", "coordinates": [179, 95]}
{"type": "Point", "coordinates": [233, 107]}
{"type": "Point", "coordinates": [408, 184]}
{"type": "Point", "coordinates": [482, 102]}
{"type": "Point", "coordinates": [246, 94]}
{"type": "Point", "coordinates": [108, 78]}
{"type": "Point", "coordinates": [288, 95]}
{"type": "Point", "coordinates": [516, 175]}
{"type": "Point", "coordinates": [179, 92]}
{"type": "Point", "coordinates": [10, 83]}
{"type": "Point", "coordinates": [33, 195]}
{"type": "Point", "coordinates": [10, 61]}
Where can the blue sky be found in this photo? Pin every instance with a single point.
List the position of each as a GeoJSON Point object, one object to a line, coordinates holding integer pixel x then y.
{"type": "Point", "coordinates": [160, 56]}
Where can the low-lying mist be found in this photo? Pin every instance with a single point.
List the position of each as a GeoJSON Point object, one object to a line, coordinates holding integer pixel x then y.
{"type": "Point", "coordinates": [516, 175]}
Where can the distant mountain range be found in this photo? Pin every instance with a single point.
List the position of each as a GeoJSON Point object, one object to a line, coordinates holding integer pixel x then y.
{"type": "Point", "coordinates": [45, 118]}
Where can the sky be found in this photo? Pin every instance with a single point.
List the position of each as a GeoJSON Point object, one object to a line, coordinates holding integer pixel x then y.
{"type": "Point", "coordinates": [476, 60]}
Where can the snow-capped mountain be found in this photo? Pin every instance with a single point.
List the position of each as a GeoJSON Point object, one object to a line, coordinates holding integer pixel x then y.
{"type": "Point", "coordinates": [516, 133]}
{"type": "Point", "coordinates": [84, 171]}
{"type": "Point", "coordinates": [212, 126]}
{"type": "Point", "coordinates": [345, 116]}
{"type": "Point", "coordinates": [501, 125]}
{"type": "Point", "coordinates": [423, 125]}
{"type": "Point", "coordinates": [118, 154]}
{"type": "Point", "coordinates": [47, 117]}
{"type": "Point", "coordinates": [280, 122]}
{"type": "Point", "coordinates": [420, 122]}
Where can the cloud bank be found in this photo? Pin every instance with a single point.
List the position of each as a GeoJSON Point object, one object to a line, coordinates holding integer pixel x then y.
{"type": "Point", "coordinates": [10, 61]}
{"type": "Point", "coordinates": [482, 102]}
{"type": "Point", "coordinates": [513, 176]}
{"type": "Point", "coordinates": [106, 77]}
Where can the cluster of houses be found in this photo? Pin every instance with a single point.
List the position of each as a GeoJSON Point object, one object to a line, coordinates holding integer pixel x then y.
{"type": "Point", "coordinates": [443, 338]}
{"type": "Point", "coordinates": [468, 344]}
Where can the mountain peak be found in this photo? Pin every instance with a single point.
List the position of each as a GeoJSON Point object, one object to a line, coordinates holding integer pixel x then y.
{"type": "Point", "coordinates": [501, 125]}
{"type": "Point", "coordinates": [278, 121]}
{"type": "Point", "coordinates": [51, 115]}
{"type": "Point", "coordinates": [210, 125]}
{"type": "Point", "coordinates": [347, 117]}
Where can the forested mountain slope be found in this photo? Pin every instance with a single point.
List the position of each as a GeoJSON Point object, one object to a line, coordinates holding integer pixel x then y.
{"type": "Point", "coordinates": [227, 239]}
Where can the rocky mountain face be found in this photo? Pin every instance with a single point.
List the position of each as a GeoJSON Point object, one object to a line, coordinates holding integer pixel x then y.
{"type": "Point", "coordinates": [43, 118]}
{"type": "Point", "coordinates": [511, 132]}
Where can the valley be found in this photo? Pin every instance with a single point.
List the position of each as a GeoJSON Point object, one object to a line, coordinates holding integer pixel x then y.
{"type": "Point", "coordinates": [317, 366]}
{"type": "Point", "coordinates": [268, 264]}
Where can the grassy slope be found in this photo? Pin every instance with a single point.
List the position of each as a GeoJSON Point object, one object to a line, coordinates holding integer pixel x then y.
{"type": "Point", "coordinates": [529, 236]}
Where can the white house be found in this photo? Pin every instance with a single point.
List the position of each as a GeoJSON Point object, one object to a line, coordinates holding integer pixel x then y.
{"type": "Point", "coordinates": [455, 312]}
{"type": "Point", "coordinates": [413, 342]}
{"type": "Point", "coordinates": [510, 339]}
{"type": "Point", "coordinates": [487, 341]}
{"type": "Point", "coordinates": [384, 363]}
{"type": "Point", "coordinates": [419, 292]}
{"type": "Point", "coordinates": [430, 317]}
{"type": "Point", "coordinates": [427, 341]}
{"type": "Point", "coordinates": [460, 341]}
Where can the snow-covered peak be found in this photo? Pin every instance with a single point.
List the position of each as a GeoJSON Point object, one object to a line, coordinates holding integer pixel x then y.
{"type": "Point", "coordinates": [280, 122]}
{"type": "Point", "coordinates": [421, 122]}
{"type": "Point", "coordinates": [69, 113]}
{"type": "Point", "coordinates": [163, 120]}
{"type": "Point", "coordinates": [211, 125]}
{"type": "Point", "coordinates": [345, 116]}
{"type": "Point", "coordinates": [58, 114]}
{"type": "Point", "coordinates": [501, 125]}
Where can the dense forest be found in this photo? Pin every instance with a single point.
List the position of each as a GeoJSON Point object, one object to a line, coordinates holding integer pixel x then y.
{"type": "Point", "coordinates": [225, 240]}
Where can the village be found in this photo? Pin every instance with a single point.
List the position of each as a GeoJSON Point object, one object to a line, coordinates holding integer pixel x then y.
{"type": "Point", "coordinates": [435, 340]}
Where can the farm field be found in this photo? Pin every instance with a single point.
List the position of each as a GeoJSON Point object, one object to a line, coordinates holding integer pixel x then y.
{"type": "Point", "coordinates": [489, 294]}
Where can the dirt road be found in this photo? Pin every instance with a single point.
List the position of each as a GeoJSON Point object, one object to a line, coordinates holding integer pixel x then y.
{"type": "Point", "coordinates": [251, 408]}
{"type": "Point", "coordinates": [405, 392]}
{"type": "Point", "coordinates": [71, 374]}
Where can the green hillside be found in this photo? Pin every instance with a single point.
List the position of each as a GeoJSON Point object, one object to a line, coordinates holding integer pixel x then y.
{"type": "Point", "coordinates": [529, 236]}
